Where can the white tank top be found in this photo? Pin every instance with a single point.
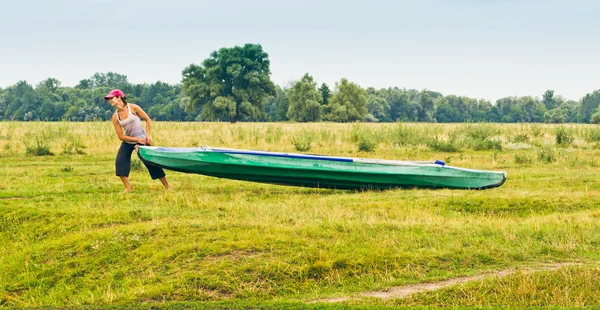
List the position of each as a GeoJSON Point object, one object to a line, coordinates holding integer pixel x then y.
{"type": "Point", "coordinates": [132, 125]}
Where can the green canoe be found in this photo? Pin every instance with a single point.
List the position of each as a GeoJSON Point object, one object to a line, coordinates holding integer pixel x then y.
{"type": "Point", "coordinates": [318, 171]}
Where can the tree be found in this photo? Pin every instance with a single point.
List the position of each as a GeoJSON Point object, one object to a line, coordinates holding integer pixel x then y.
{"type": "Point", "coordinates": [84, 84]}
{"type": "Point", "coordinates": [232, 84]}
{"type": "Point", "coordinates": [2, 103]}
{"type": "Point", "coordinates": [484, 111]}
{"type": "Point", "coordinates": [51, 84]}
{"type": "Point", "coordinates": [283, 108]}
{"type": "Point", "coordinates": [532, 109]}
{"type": "Point", "coordinates": [20, 99]}
{"type": "Point", "coordinates": [556, 116]}
{"type": "Point", "coordinates": [401, 107]}
{"type": "Point", "coordinates": [276, 107]}
{"type": "Point", "coordinates": [444, 112]}
{"type": "Point", "coordinates": [548, 100]}
{"type": "Point", "coordinates": [325, 92]}
{"type": "Point", "coordinates": [589, 105]}
{"type": "Point", "coordinates": [305, 101]}
{"type": "Point", "coordinates": [595, 119]}
{"type": "Point", "coordinates": [348, 103]}
{"type": "Point", "coordinates": [572, 108]}
{"type": "Point", "coordinates": [111, 80]}
{"type": "Point", "coordinates": [426, 106]}
{"type": "Point", "coordinates": [508, 110]}
{"type": "Point", "coordinates": [378, 108]}
{"type": "Point", "coordinates": [48, 98]}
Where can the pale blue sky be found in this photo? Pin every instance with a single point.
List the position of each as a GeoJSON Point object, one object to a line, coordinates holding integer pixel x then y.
{"type": "Point", "coordinates": [483, 49]}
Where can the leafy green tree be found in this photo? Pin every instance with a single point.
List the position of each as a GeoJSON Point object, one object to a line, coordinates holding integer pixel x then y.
{"type": "Point", "coordinates": [20, 100]}
{"type": "Point", "coordinates": [556, 116]}
{"type": "Point", "coordinates": [444, 112]}
{"type": "Point", "coordinates": [51, 84]}
{"type": "Point", "coordinates": [532, 109]}
{"type": "Point", "coordinates": [572, 108]}
{"type": "Point", "coordinates": [548, 100]}
{"type": "Point", "coordinates": [48, 97]}
{"type": "Point", "coordinates": [85, 112]}
{"type": "Point", "coordinates": [401, 107]}
{"type": "Point", "coordinates": [276, 106]}
{"type": "Point", "coordinates": [175, 110]}
{"type": "Point", "coordinates": [46, 111]}
{"type": "Point", "coordinates": [426, 106]}
{"type": "Point", "coordinates": [589, 105]}
{"type": "Point", "coordinates": [84, 84]}
{"type": "Point", "coordinates": [348, 103]}
{"type": "Point", "coordinates": [460, 108]}
{"type": "Point", "coordinates": [232, 84]}
{"type": "Point", "coordinates": [159, 93]}
{"type": "Point", "coordinates": [484, 111]}
{"type": "Point", "coordinates": [2, 103]}
{"type": "Point", "coordinates": [325, 92]}
{"type": "Point", "coordinates": [505, 104]}
{"type": "Point", "coordinates": [508, 110]}
{"type": "Point", "coordinates": [305, 101]}
{"type": "Point", "coordinates": [453, 108]}
{"type": "Point", "coordinates": [283, 108]}
{"type": "Point", "coordinates": [595, 119]}
{"type": "Point", "coordinates": [378, 108]}
{"type": "Point", "coordinates": [111, 80]}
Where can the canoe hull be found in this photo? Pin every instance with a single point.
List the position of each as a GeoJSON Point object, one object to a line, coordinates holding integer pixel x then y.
{"type": "Point", "coordinates": [316, 171]}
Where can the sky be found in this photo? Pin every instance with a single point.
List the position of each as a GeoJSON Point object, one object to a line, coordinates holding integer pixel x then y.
{"type": "Point", "coordinates": [485, 49]}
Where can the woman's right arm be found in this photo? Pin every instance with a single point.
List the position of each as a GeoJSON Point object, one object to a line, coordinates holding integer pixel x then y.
{"type": "Point", "coordinates": [120, 133]}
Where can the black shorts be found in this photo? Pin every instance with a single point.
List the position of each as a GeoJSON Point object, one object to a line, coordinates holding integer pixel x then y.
{"type": "Point", "coordinates": [123, 163]}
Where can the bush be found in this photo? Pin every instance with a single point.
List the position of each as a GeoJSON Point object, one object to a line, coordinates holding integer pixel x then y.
{"type": "Point", "coordinates": [520, 138]}
{"type": "Point", "coordinates": [370, 118]}
{"type": "Point", "coordinates": [546, 154]}
{"type": "Point", "coordinates": [449, 146]}
{"type": "Point", "coordinates": [366, 144]}
{"type": "Point", "coordinates": [303, 141]}
{"type": "Point", "coordinates": [273, 134]}
{"type": "Point", "coordinates": [40, 148]}
{"type": "Point", "coordinates": [365, 137]}
{"type": "Point", "coordinates": [564, 136]}
{"type": "Point", "coordinates": [403, 135]}
{"type": "Point", "coordinates": [592, 135]}
{"type": "Point", "coordinates": [486, 144]}
{"type": "Point", "coordinates": [255, 134]}
{"type": "Point", "coordinates": [73, 146]}
{"type": "Point", "coordinates": [522, 159]}
{"type": "Point", "coordinates": [536, 130]}
{"type": "Point", "coordinates": [477, 131]}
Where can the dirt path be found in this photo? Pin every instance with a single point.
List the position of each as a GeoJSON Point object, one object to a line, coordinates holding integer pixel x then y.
{"type": "Point", "coordinates": [405, 291]}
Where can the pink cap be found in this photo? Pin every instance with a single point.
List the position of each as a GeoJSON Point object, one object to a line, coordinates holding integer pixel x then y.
{"type": "Point", "coordinates": [114, 93]}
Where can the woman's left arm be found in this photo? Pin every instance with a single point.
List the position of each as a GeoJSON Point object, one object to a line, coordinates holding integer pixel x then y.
{"type": "Point", "coordinates": [139, 112]}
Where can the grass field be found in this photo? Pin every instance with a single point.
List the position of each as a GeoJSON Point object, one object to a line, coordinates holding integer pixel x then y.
{"type": "Point", "coordinates": [69, 237]}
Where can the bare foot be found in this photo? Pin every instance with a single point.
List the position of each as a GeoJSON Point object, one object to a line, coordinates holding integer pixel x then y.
{"type": "Point", "coordinates": [127, 190]}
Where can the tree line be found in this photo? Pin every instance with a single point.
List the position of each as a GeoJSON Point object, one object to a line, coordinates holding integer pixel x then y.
{"type": "Point", "coordinates": [234, 84]}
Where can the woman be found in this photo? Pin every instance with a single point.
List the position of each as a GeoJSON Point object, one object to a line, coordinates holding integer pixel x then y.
{"type": "Point", "coordinates": [129, 130]}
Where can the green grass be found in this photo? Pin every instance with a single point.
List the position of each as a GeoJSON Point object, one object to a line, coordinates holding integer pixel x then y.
{"type": "Point", "coordinates": [69, 237]}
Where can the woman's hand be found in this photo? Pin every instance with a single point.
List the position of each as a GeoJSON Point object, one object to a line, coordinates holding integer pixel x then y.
{"type": "Point", "coordinates": [141, 141]}
{"type": "Point", "coordinates": [148, 140]}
